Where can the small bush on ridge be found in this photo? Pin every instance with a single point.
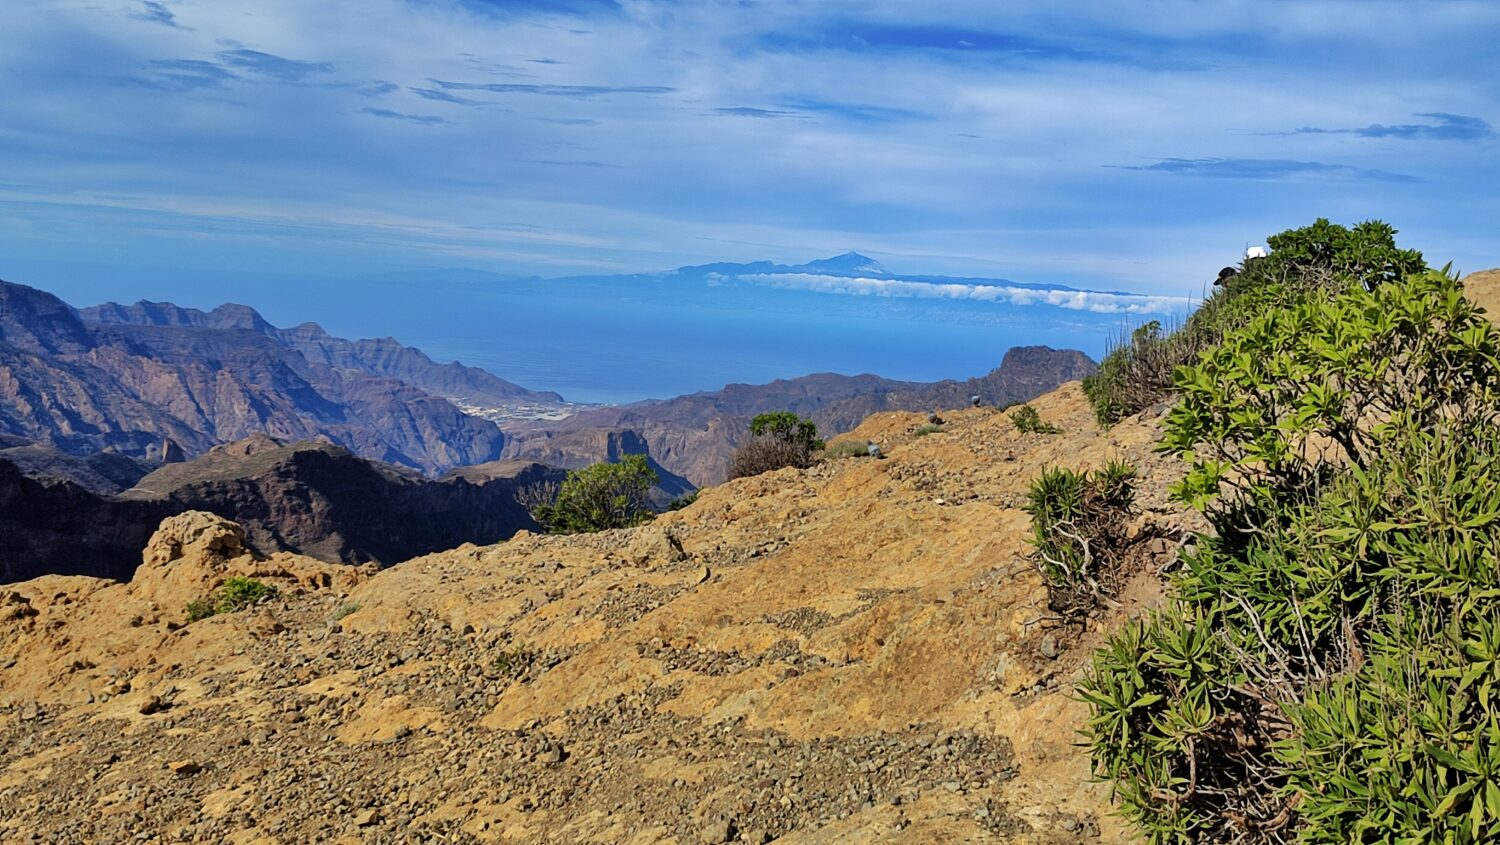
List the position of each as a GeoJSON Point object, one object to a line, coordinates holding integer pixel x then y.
{"type": "Point", "coordinates": [846, 449]}
{"type": "Point", "coordinates": [777, 440]}
{"type": "Point", "coordinates": [601, 497]}
{"type": "Point", "coordinates": [1028, 421]}
{"type": "Point", "coordinates": [235, 594]}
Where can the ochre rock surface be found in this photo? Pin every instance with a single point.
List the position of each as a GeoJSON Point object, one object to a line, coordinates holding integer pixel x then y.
{"type": "Point", "coordinates": [857, 652]}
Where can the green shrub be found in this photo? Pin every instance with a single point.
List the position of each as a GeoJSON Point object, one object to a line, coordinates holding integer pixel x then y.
{"type": "Point", "coordinates": [787, 426]}
{"type": "Point", "coordinates": [777, 440]}
{"type": "Point", "coordinates": [344, 610]}
{"type": "Point", "coordinates": [1078, 524]}
{"type": "Point", "coordinates": [235, 594]}
{"type": "Point", "coordinates": [926, 429]}
{"type": "Point", "coordinates": [1028, 421]}
{"type": "Point", "coordinates": [1138, 371]}
{"type": "Point", "coordinates": [199, 609]}
{"type": "Point", "coordinates": [601, 497]}
{"type": "Point", "coordinates": [1327, 670]}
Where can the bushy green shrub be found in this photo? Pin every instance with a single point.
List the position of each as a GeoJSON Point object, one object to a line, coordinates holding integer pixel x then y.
{"type": "Point", "coordinates": [1323, 257]}
{"type": "Point", "coordinates": [1078, 524]}
{"type": "Point", "coordinates": [788, 427]}
{"type": "Point", "coordinates": [1028, 421]}
{"type": "Point", "coordinates": [777, 440]}
{"type": "Point", "coordinates": [926, 429]}
{"type": "Point", "coordinates": [235, 594]}
{"type": "Point", "coordinates": [601, 497]}
{"type": "Point", "coordinates": [1326, 672]}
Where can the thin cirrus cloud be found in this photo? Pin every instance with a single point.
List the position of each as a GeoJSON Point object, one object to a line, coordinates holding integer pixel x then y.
{"type": "Point", "coordinates": [1265, 169]}
{"type": "Point", "coordinates": [580, 91]}
{"type": "Point", "coordinates": [1097, 302]}
{"type": "Point", "coordinates": [441, 96]}
{"type": "Point", "coordinates": [152, 11]}
{"type": "Point", "coordinates": [187, 75]}
{"type": "Point", "coordinates": [1441, 127]}
{"type": "Point", "coordinates": [180, 75]}
{"type": "Point", "coordinates": [753, 111]}
{"type": "Point", "coordinates": [273, 66]}
{"type": "Point", "coordinates": [802, 108]}
{"type": "Point", "coordinates": [422, 119]}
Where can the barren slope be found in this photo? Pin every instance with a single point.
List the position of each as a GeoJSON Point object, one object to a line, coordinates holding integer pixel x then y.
{"type": "Point", "coordinates": [854, 653]}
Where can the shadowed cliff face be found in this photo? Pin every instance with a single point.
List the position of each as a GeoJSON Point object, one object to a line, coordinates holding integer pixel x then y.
{"type": "Point", "coordinates": [319, 500]}
{"type": "Point", "coordinates": [132, 375]}
{"type": "Point", "coordinates": [693, 436]}
{"type": "Point", "coordinates": [64, 529]}
{"type": "Point", "coordinates": [309, 498]}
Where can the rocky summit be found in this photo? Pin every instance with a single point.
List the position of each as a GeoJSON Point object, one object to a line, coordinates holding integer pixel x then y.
{"type": "Point", "coordinates": [857, 652]}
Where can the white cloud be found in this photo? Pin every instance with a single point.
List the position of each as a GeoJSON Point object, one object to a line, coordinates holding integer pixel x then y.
{"type": "Point", "coordinates": [1098, 302]}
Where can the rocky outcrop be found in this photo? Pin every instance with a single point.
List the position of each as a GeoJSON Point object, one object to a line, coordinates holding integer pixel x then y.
{"type": "Point", "coordinates": [693, 436]}
{"type": "Point", "coordinates": [857, 652]}
{"type": "Point", "coordinates": [581, 447]}
{"type": "Point", "coordinates": [130, 378]}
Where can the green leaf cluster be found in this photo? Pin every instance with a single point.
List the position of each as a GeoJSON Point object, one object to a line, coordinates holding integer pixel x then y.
{"type": "Point", "coordinates": [1027, 421]}
{"type": "Point", "coordinates": [787, 427]}
{"type": "Point", "coordinates": [601, 497]}
{"type": "Point", "coordinates": [777, 440]}
{"type": "Point", "coordinates": [1078, 529]}
{"type": "Point", "coordinates": [1327, 670]}
{"type": "Point", "coordinates": [235, 594]}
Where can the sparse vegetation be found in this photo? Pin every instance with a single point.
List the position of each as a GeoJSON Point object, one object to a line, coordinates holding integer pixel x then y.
{"type": "Point", "coordinates": [1327, 670]}
{"type": "Point", "coordinates": [1028, 421]}
{"type": "Point", "coordinates": [514, 662]}
{"type": "Point", "coordinates": [1078, 533]}
{"type": "Point", "coordinates": [235, 594]}
{"type": "Point", "coordinates": [926, 429]}
{"type": "Point", "coordinates": [601, 497]}
{"type": "Point", "coordinates": [845, 449]}
{"type": "Point", "coordinates": [777, 440]}
{"type": "Point", "coordinates": [344, 610]}
{"type": "Point", "coordinates": [683, 501]}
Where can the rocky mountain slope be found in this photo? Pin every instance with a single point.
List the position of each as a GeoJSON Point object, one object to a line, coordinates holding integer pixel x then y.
{"type": "Point", "coordinates": [857, 652]}
{"type": "Point", "coordinates": [693, 436]}
{"type": "Point", "coordinates": [205, 379]}
{"type": "Point", "coordinates": [382, 357]}
{"type": "Point", "coordinates": [312, 498]}
{"type": "Point", "coordinates": [105, 473]}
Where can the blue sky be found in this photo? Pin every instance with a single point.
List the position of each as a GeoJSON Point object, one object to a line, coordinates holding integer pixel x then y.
{"type": "Point", "coordinates": [1096, 144]}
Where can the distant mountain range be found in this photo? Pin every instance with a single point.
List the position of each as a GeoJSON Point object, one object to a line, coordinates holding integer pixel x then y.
{"type": "Point", "coordinates": [130, 377]}
{"type": "Point", "coordinates": [694, 435]}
